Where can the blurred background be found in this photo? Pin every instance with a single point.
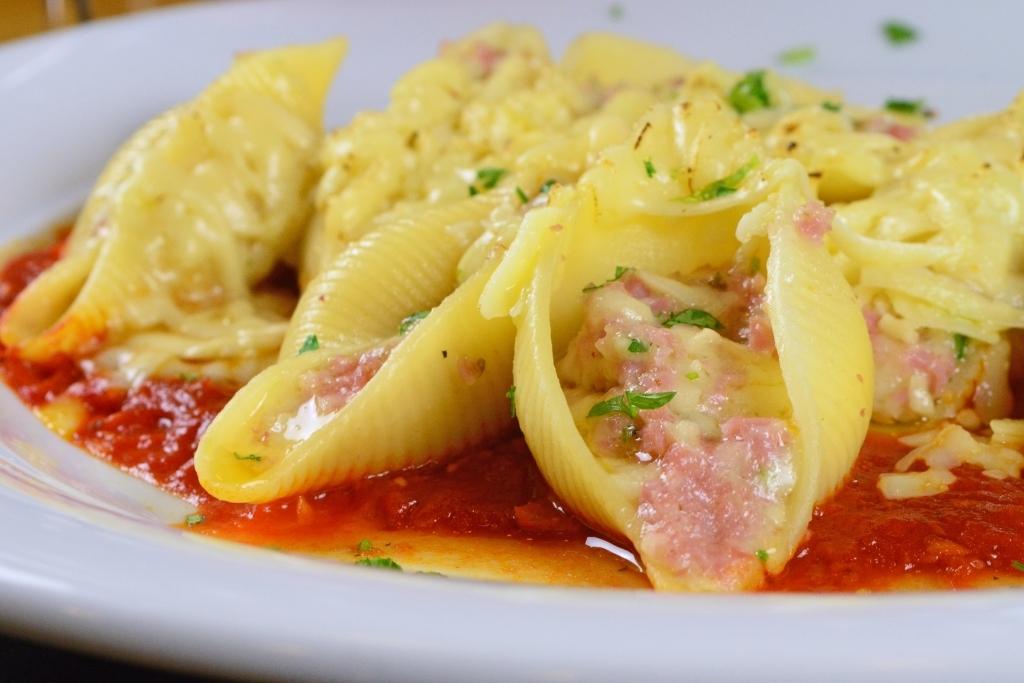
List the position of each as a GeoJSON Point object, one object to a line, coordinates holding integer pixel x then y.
{"type": "Point", "coordinates": [20, 18]}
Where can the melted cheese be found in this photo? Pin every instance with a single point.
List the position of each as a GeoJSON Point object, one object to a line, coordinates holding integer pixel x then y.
{"type": "Point", "coordinates": [942, 450]}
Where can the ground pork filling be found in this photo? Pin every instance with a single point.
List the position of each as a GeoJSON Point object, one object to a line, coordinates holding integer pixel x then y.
{"type": "Point", "coordinates": [927, 374]}
{"type": "Point", "coordinates": [335, 384]}
{"type": "Point", "coordinates": [715, 459]}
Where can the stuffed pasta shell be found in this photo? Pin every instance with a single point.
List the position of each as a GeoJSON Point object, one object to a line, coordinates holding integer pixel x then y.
{"type": "Point", "coordinates": [933, 256]}
{"type": "Point", "coordinates": [387, 364]}
{"type": "Point", "coordinates": [692, 372]}
{"type": "Point", "coordinates": [189, 216]}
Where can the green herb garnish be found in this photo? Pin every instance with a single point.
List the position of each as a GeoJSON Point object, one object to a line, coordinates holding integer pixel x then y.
{"type": "Point", "coordinates": [797, 55]}
{"type": "Point", "coordinates": [251, 456]}
{"type": "Point", "coordinates": [649, 168]}
{"type": "Point", "coordinates": [490, 176]}
{"type": "Point", "coordinates": [749, 93]}
{"type": "Point", "coordinates": [1018, 565]}
{"type": "Point", "coordinates": [410, 321]}
{"type": "Point", "coordinates": [473, 191]}
{"type": "Point", "coordinates": [195, 518]}
{"type": "Point", "coordinates": [311, 344]}
{"type": "Point", "coordinates": [631, 404]}
{"type": "Point", "coordinates": [761, 555]}
{"type": "Point", "coordinates": [831, 106]}
{"type": "Point", "coordinates": [899, 33]}
{"type": "Point", "coordinates": [755, 265]}
{"type": "Point", "coordinates": [364, 546]}
{"type": "Point", "coordinates": [960, 345]}
{"type": "Point", "coordinates": [695, 317]}
{"type": "Point", "coordinates": [637, 346]}
{"type": "Point", "coordinates": [723, 186]}
{"type": "Point", "coordinates": [380, 562]}
{"type": "Point", "coordinates": [522, 195]}
{"type": "Point", "coordinates": [511, 396]}
{"type": "Point", "coordinates": [619, 272]}
{"type": "Point", "coordinates": [692, 375]}
{"type": "Point", "coordinates": [916, 107]}
{"type": "Point", "coordinates": [547, 185]}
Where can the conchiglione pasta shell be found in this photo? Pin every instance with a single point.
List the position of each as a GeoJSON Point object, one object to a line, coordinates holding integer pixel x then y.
{"type": "Point", "coordinates": [387, 275]}
{"type": "Point", "coordinates": [560, 451]}
{"type": "Point", "coordinates": [826, 360]}
{"type": "Point", "coordinates": [194, 209]}
{"type": "Point", "coordinates": [822, 342]}
{"type": "Point", "coordinates": [420, 406]}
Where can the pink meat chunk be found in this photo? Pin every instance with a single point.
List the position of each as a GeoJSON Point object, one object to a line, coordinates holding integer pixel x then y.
{"type": "Point", "coordinates": [338, 382]}
{"type": "Point", "coordinates": [813, 220]}
{"type": "Point", "coordinates": [900, 131]}
{"type": "Point", "coordinates": [708, 507]}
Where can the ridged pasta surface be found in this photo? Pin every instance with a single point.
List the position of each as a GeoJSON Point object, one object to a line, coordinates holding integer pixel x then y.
{"type": "Point", "coordinates": [194, 211]}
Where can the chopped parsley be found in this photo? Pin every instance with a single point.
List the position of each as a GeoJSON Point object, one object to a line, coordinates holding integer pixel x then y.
{"type": "Point", "coordinates": [1018, 565]}
{"type": "Point", "coordinates": [695, 317]}
{"type": "Point", "coordinates": [755, 265]}
{"type": "Point", "coordinates": [380, 562]}
{"type": "Point", "coordinates": [749, 93]}
{"type": "Point", "coordinates": [914, 107]}
{"type": "Point", "coordinates": [899, 33]}
{"type": "Point", "coordinates": [251, 456]}
{"type": "Point", "coordinates": [522, 195]}
{"type": "Point", "coordinates": [762, 555]}
{"type": "Point", "coordinates": [692, 375]}
{"type": "Point", "coordinates": [723, 186]}
{"type": "Point", "coordinates": [828, 105]}
{"type": "Point", "coordinates": [547, 185]}
{"type": "Point", "coordinates": [410, 321]}
{"type": "Point", "coordinates": [490, 176]}
{"type": "Point", "coordinates": [649, 168]}
{"type": "Point", "coordinates": [364, 546]}
{"type": "Point", "coordinates": [798, 55]}
{"type": "Point", "coordinates": [511, 396]}
{"type": "Point", "coordinates": [631, 404]}
{"type": "Point", "coordinates": [311, 344]}
{"type": "Point", "coordinates": [637, 346]}
{"type": "Point", "coordinates": [960, 345]}
{"type": "Point", "coordinates": [619, 272]}
{"type": "Point", "coordinates": [195, 518]}
{"type": "Point", "coordinates": [616, 12]}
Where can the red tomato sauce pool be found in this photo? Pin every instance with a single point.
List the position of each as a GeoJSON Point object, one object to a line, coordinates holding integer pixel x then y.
{"type": "Point", "coordinates": [858, 540]}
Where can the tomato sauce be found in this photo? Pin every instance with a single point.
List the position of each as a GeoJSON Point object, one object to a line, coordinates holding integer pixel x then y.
{"type": "Point", "coordinates": [857, 540]}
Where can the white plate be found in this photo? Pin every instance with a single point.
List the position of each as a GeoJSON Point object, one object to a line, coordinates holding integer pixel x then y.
{"type": "Point", "coordinates": [86, 561]}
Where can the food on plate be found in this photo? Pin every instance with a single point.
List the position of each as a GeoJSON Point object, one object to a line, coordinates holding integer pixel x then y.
{"type": "Point", "coordinates": [621, 318]}
{"type": "Point", "coordinates": [702, 399]}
